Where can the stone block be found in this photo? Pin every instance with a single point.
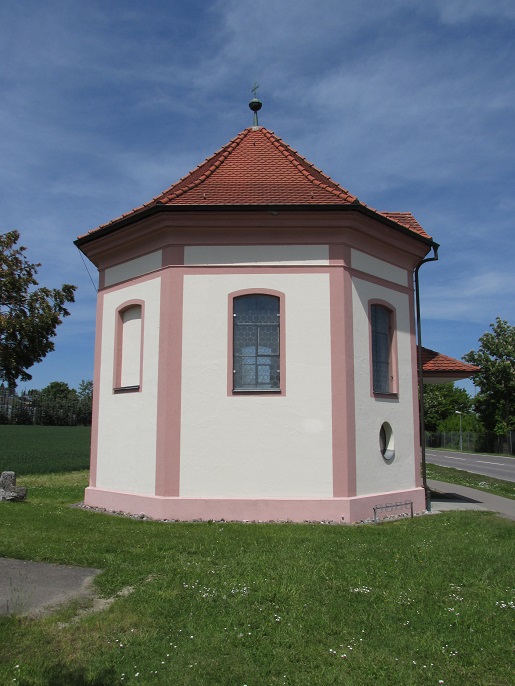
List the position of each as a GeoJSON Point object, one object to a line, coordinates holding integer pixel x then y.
{"type": "Point", "coordinates": [8, 488]}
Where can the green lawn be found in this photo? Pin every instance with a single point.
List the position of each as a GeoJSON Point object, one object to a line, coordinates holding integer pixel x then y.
{"type": "Point", "coordinates": [418, 601]}
{"type": "Point", "coordinates": [44, 449]}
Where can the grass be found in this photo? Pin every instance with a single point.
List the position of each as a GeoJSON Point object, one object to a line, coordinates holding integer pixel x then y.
{"type": "Point", "coordinates": [44, 449]}
{"type": "Point", "coordinates": [418, 601]}
{"type": "Point", "coordinates": [506, 489]}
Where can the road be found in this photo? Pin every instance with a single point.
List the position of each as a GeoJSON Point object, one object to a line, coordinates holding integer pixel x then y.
{"type": "Point", "coordinates": [489, 465]}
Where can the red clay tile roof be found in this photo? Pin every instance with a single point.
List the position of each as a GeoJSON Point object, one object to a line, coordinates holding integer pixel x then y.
{"type": "Point", "coordinates": [258, 168]}
{"type": "Point", "coordinates": [438, 365]}
{"type": "Point", "coordinates": [407, 220]}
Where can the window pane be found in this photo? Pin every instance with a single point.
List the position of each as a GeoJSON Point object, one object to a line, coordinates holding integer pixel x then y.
{"type": "Point", "coordinates": [381, 349]}
{"type": "Point", "coordinates": [256, 342]}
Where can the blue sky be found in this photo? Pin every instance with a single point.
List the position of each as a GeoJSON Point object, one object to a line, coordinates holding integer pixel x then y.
{"type": "Point", "coordinates": [407, 104]}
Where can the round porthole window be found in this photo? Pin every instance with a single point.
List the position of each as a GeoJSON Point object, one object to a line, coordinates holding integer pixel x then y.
{"type": "Point", "coordinates": [386, 445]}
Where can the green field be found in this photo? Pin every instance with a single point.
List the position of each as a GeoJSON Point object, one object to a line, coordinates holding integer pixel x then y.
{"type": "Point", "coordinates": [44, 449]}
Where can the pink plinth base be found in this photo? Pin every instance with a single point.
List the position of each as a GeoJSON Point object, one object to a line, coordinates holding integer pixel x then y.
{"type": "Point", "coordinates": [341, 510]}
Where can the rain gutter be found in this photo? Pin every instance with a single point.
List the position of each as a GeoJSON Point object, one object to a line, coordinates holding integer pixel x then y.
{"type": "Point", "coordinates": [421, 376]}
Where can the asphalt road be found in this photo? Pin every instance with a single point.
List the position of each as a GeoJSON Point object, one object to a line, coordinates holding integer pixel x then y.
{"type": "Point", "coordinates": [489, 465]}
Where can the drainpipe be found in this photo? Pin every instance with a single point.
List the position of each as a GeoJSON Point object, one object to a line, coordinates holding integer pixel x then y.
{"type": "Point", "coordinates": [420, 377]}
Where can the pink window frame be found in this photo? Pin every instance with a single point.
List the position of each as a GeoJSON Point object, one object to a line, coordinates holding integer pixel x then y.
{"type": "Point", "coordinates": [281, 391]}
{"type": "Point", "coordinates": [393, 360]}
{"type": "Point", "coordinates": [118, 347]}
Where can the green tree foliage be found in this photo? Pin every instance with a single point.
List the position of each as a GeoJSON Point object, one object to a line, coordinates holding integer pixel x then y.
{"type": "Point", "coordinates": [469, 422]}
{"type": "Point", "coordinates": [85, 390]}
{"type": "Point", "coordinates": [57, 405]}
{"type": "Point", "coordinates": [495, 402]}
{"type": "Point", "coordinates": [58, 390]}
{"type": "Point", "coordinates": [85, 396]}
{"type": "Point", "coordinates": [442, 401]}
{"type": "Point", "coordinates": [29, 316]}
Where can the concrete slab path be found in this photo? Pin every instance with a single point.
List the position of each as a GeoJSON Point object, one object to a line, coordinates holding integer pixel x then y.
{"type": "Point", "coordinates": [32, 588]}
{"type": "Point", "coordinates": [455, 497]}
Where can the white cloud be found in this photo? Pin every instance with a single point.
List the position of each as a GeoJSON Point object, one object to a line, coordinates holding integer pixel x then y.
{"type": "Point", "coordinates": [478, 296]}
{"type": "Point", "coordinates": [460, 11]}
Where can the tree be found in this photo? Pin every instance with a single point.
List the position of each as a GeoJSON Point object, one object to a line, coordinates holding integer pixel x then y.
{"type": "Point", "coordinates": [29, 316]}
{"type": "Point", "coordinates": [442, 401]}
{"type": "Point", "coordinates": [57, 405]}
{"type": "Point", "coordinates": [495, 402]}
{"type": "Point", "coordinates": [59, 391]}
{"type": "Point", "coordinates": [85, 395]}
{"type": "Point", "coordinates": [85, 390]}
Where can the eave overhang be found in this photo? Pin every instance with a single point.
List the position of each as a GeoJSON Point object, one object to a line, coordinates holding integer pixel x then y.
{"type": "Point", "coordinates": [445, 377]}
{"type": "Point", "coordinates": [147, 212]}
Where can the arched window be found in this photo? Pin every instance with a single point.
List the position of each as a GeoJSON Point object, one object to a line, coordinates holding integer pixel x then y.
{"type": "Point", "coordinates": [256, 362]}
{"type": "Point", "coordinates": [382, 336]}
{"type": "Point", "coordinates": [128, 348]}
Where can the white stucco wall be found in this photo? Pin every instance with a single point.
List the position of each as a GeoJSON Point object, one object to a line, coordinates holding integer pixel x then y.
{"type": "Point", "coordinates": [127, 421]}
{"type": "Point", "coordinates": [373, 474]}
{"type": "Point", "coordinates": [371, 265]}
{"type": "Point", "coordinates": [257, 254]}
{"type": "Point", "coordinates": [133, 268]}
{"type": "Point", "coordinates": [266, 445]}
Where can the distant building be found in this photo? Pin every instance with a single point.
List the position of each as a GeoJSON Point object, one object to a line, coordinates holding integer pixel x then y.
{"type": "Point", "coordinates": [256, 352]}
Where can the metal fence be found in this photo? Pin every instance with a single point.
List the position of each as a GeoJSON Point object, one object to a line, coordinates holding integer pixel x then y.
{"type": "Point", "coordinates": [472, 442]}
{"type": "Point", "coordinates": [45, 411]}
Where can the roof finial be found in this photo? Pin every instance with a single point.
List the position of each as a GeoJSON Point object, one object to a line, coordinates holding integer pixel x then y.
{"type": "Point", "coordinates": [255, 104]}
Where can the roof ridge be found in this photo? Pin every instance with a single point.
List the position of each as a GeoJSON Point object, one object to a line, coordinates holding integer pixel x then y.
{"type": "Point", "coordinates": [291, 154]}
{"type": "Point", "coordinates": [162, 198]}
{"type": "Point", "coordinates": [221, 154]}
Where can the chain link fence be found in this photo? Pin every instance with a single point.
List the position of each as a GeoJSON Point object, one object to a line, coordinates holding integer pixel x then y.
{"type": "Point", "coordinates": [472, 442]}
{"type": "Point", "coordinates": [27, 410]}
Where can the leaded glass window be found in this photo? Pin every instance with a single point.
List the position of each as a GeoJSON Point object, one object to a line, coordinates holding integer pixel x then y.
{"type": "Point", "coordinates": [381, 343]}
{"type": "Point", "coordinates": [256, 342]}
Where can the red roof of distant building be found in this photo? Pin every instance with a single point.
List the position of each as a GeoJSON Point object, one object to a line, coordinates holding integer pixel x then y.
{"type": "Point", "coordinates": [258, 168]}
{"type": "Point", "coordinates": [437, 365]}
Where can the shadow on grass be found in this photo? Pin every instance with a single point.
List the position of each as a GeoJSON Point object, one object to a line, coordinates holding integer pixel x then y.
{"type": "Point", "coordinates": [62, 675]}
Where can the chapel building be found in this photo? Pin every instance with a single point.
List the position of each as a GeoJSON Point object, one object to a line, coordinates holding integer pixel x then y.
{"type": "Point", "coordinates": [256, 353]}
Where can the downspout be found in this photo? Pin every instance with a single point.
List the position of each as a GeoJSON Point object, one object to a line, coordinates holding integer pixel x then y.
{"type": "Point", "coordinates": [420, 377]}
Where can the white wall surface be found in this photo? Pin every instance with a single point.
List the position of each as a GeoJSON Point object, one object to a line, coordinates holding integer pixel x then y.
{"type": "Point", "coordinates": [379, 268]}
{"type": "Point", "coordinates": [133, 268]}
{"type": "Point", "coordinates": [265, 445]}
{"type": "Point", "coordinates": [128, 421]}
{"type": "Point", "coordinates": [373, 474]}
{"type": "Point", "coordinates": [257, 254]}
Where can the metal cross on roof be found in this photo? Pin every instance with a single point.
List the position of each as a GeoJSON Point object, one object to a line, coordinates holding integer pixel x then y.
{"type": "Point", "coordinates": [255, 104]}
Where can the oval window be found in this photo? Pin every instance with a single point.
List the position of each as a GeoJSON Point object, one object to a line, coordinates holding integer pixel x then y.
{"type": "Point", "coordinates": [386, 445]}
